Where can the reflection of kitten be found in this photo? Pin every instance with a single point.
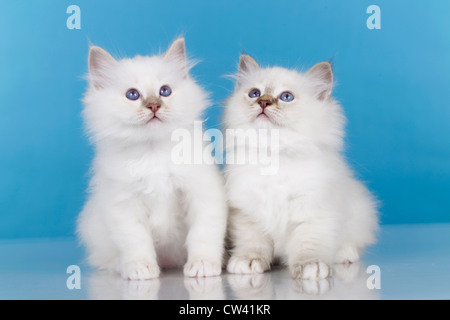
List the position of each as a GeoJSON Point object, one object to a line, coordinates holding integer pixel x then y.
{"type": "Point", "coordinates": [145, 212]}
{"type": "Point", "coordinates": [313, 212]}
{"type": "Point", "coordinates": [348, 282]}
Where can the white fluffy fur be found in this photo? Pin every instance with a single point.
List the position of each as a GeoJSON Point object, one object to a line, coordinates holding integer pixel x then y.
{"type": "Point", "coordinates": [144, 212]}
{"type": "Point", "coordinates": [313, 212]}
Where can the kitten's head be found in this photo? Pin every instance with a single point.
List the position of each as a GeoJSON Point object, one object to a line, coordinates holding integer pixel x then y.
{"type": "Point", "coordinates": [142, 98]}
{"type": "Point", "coordinates": [297, 103]}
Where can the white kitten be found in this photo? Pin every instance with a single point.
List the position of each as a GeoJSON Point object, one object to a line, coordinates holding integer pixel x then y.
{"type": "Point", "coordinates": [145, 212]}
{"type": "Point", "coordinates": [312, 212]}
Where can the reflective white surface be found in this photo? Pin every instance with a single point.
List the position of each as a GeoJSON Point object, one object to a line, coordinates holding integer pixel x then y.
{"type": "Point", "coordinates": [414, 262]}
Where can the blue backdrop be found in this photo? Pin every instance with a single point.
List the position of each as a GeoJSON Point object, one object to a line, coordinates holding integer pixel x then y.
{"type": "Point", "coordinates": [394, 84]}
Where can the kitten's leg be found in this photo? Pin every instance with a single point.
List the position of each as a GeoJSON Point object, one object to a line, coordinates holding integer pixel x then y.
{"type": "Point", "coordinates": [310, 249]}
{"type": "Point", "coordinates": [102, 253]}
{"type": "Point", "coordinates": [207, 220]}
{"type": "Point", "coordinates": [252, 250]}
{"type": "Point", "coordinates": [360, 225]}
{"type": "Point", "coordinates": [128, 228]}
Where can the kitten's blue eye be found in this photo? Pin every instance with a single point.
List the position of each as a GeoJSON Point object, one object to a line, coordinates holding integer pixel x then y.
{"type": "Point", "coordinates": [286, 96]}
{"type": "Point", "coordinates": [165, 91]}
{"type": "Point", "coordinates": [132, 94]}
{"type": "Point", "coordinates": [254, 93]}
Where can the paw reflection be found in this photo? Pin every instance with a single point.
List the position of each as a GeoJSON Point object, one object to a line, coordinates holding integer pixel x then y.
{"type": "Point", "coordinates": [107, 286]}
{"type": "Point", "coordinates": [251, 286]}
{"type": "Point", "coordinates": [348, 281]}
{"type": "Point", "coordinates": [140, 289]}
{"type": "Point", "coordinates": [204, 288]}
{"type": "Point", "coordinates": [312, 287]}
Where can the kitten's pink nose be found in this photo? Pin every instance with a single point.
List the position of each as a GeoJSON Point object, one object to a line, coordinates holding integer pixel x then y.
{"type": "Point", "coordinates": [154, 107]}
{"type": "Point", "coordinates": [264, 103]}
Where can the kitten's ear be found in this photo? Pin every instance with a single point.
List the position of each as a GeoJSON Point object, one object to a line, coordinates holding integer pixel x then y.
{"type": "Point", "coordinates": [177, 50]}
{"type": "Point", "coordinates": [246, 65]}
{"type": "Point", "coordinates": [322, 76]}
{"type": "Point", "coordinates": [100, 64]}
{"type": "Point", "coordinates": [177, 53]}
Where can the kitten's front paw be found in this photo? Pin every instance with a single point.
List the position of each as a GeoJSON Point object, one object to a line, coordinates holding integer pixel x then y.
{"type": "Point", "coordinates": [247, 265]}
{"type": "Point", "coordinates": [139, 271]}
{"type": "Point", "coordinates": [310, 271]}
{"type": "Point", "coordinates": [346, 255]}
{"type": "Point", "coordinates": [202, 268]}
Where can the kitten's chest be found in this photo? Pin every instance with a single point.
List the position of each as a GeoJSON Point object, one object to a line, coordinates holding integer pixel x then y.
{"type": "Point", "coordinates": [251, 190]}
{"type": "Point", "coordinates": [273, 200]}
{"type": "Point", "coordinates": [152, 175]}
{"type": "Point", "coordinates": [274, 193]}
{"type": "Point", "coordinates": [157, 184]}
